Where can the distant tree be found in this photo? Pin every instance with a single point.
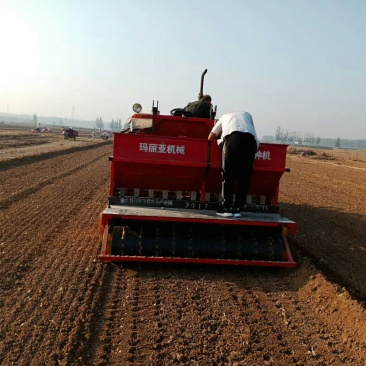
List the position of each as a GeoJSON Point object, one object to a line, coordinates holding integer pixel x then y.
{"type": "Point", "coordinates": [281, 135]}
{"type": "Point", "coordinates": [338, 142]}
{"type": "Point", "coordinates": [35, 119]}
{"type": "Point", "coordinates": [318, 140]}
{"type": "Point", "coordinates": [296, 137]}
{"type": "Point", "coordinates": [115, 125]}
{"type": "Point", "coordinates": [267, 138]}
{"type": "Point", "coordinates": [291, 137]}
{"type": "Point", "coordinates": [312, 139]}
{"type": "Point", "coordinates": [278, 134]}
{"type": "Point", "coordinates": [99, 123]}
{"type": "Point", "coordinates": [307, 138]}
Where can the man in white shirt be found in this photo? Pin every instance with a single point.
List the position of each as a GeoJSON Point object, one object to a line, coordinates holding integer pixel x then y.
{"type": "Point", "coordinates": [237, 134]}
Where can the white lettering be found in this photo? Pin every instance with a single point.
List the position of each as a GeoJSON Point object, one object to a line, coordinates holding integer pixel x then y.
{"type": "Point", "coordinates": [162, 148]}
{"type": "Point", "coordinates": [171, 149]}
{"type": "Point", "coordinates": [143, 147]}
{"type": "Point", "coordinates": [264, 155]}
{"type": "Point", "coordinates": [181, 150]}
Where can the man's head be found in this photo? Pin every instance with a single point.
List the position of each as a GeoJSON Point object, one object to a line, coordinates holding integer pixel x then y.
{"type": "Point", "coordinates": [207, 98]}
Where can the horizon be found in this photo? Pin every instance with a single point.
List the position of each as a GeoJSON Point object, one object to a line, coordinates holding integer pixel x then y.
{"type": "Point", "coordinates": [298, 65]}
{"type": "Point", "coordinates": [92, 124]}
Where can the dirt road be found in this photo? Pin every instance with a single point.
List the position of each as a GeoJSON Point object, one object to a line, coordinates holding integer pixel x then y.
{"type": "Point", "coordinates": [60, 306]}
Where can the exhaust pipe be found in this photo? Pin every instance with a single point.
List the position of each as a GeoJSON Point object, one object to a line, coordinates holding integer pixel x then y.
{"type": "Point", "coordinates": [200, 95]}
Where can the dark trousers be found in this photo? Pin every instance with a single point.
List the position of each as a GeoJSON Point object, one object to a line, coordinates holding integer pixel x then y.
{"type": "Point", "coordinates": [237, 166]}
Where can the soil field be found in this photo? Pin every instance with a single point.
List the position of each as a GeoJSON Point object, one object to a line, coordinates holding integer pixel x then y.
{"type": "Point", "coordinates": [60, 306]}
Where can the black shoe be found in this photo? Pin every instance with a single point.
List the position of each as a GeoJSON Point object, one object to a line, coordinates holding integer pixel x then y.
{"type": "Point", "coordinates": [224, 212]}
{"type": "Point", "coordinates": [243, 209]}
{"type": "Point", "coordinates": [236, 212]}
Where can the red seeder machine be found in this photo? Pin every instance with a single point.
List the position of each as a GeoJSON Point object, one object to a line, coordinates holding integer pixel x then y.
{"type": "Point", "coordinates": [165, 187]}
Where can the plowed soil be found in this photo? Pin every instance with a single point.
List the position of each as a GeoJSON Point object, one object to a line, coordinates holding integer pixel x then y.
{"type": "Point", "coordinates": [60, 306]}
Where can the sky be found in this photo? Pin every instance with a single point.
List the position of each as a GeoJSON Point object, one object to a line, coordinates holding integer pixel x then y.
{"type": "Point", "coordinates": [296, 64]}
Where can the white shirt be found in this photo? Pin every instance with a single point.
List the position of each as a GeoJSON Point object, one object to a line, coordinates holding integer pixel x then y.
{"type": "Point", "coordinates": [231, 122]}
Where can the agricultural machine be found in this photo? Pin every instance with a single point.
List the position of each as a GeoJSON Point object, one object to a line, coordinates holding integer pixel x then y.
{"type": "Point", "coordinates": [69, 133]}
{"type": "Point", "coordinates": [44, 129]}
{"type": "Point", "coordinates": [165, 187]}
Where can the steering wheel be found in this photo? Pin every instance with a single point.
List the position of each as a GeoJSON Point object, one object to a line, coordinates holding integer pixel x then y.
{"type": "Point", "coordinates": [180, 112]}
